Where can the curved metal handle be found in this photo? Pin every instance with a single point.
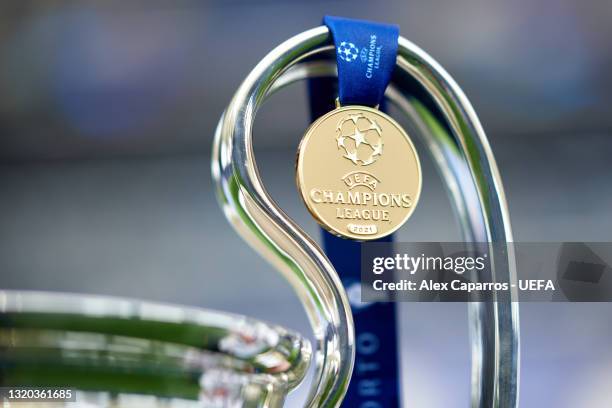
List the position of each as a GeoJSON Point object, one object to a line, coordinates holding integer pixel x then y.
{"type": "Point", "coordinates": [462, 154]}
{"type": "Point", "coordinates": [265, 226]}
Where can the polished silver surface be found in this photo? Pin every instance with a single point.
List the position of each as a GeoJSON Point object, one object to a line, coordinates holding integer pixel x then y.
{"type": "Point", "coordinates": [462, 154]}
{"type": "Point", "coordinates": [149, 352]}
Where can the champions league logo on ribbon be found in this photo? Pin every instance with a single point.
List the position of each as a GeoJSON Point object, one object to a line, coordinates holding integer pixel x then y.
{"type": "Point", "coordinates": [347, 51]}
{"type": "Point", "coordinates": [365, 54]}
{"type": "Point", "coordinates": [368, 55]}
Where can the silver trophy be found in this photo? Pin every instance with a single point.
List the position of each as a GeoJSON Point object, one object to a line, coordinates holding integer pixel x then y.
{"type": "Point", "coordinates": [123, 353]}
{"type": "Point", "coordinates": [112, 352]}
{"type": "Point", "coordinates": [461, 154]}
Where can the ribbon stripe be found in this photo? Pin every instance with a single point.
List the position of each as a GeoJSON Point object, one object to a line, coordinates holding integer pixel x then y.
{"type": "Point", "coordinates": [365, 54]}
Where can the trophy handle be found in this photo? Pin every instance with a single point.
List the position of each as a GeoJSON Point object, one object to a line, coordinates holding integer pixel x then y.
{"type": "Point", "coordinates": [463, 156]}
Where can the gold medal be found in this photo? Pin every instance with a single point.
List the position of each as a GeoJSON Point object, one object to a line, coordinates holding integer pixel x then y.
{"type": "Point", "coordinates": [358, 173]}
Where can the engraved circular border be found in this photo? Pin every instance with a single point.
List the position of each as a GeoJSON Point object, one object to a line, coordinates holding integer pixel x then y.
{"type": "Point", "coordinates": [299, 165]}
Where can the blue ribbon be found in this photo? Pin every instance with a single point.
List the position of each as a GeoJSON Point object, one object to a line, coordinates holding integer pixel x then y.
{"type": "Point", "coordinates": [365, 54]}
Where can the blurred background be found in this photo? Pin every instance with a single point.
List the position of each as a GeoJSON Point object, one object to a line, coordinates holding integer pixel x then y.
{"type": "Point", "coordinates": [107, 111]}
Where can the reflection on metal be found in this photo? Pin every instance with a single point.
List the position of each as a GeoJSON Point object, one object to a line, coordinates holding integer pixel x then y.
{"type": "Point", "coordinates": [462, 154]}
{"type": "Point", "coordinates": [117, 352]}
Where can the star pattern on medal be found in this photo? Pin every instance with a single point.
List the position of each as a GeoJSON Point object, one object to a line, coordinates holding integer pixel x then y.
{"type": "Point", "coordinates": [365, 137]}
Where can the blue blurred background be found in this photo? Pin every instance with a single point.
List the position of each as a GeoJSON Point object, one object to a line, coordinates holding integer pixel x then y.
{"type": "Point", "coordinates": [107, 111]}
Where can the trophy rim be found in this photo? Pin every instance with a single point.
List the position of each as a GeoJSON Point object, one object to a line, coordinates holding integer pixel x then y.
{"type": "Point", "coordinates": [224, 327]}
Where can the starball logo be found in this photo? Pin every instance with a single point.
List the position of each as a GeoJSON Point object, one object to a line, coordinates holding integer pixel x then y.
{"type": "Point", "coordinates": [359, 138]}
{"type": "Point", "coordinates": [368, 54]}
{"type": "Point", "coordinates": [347, 51]}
